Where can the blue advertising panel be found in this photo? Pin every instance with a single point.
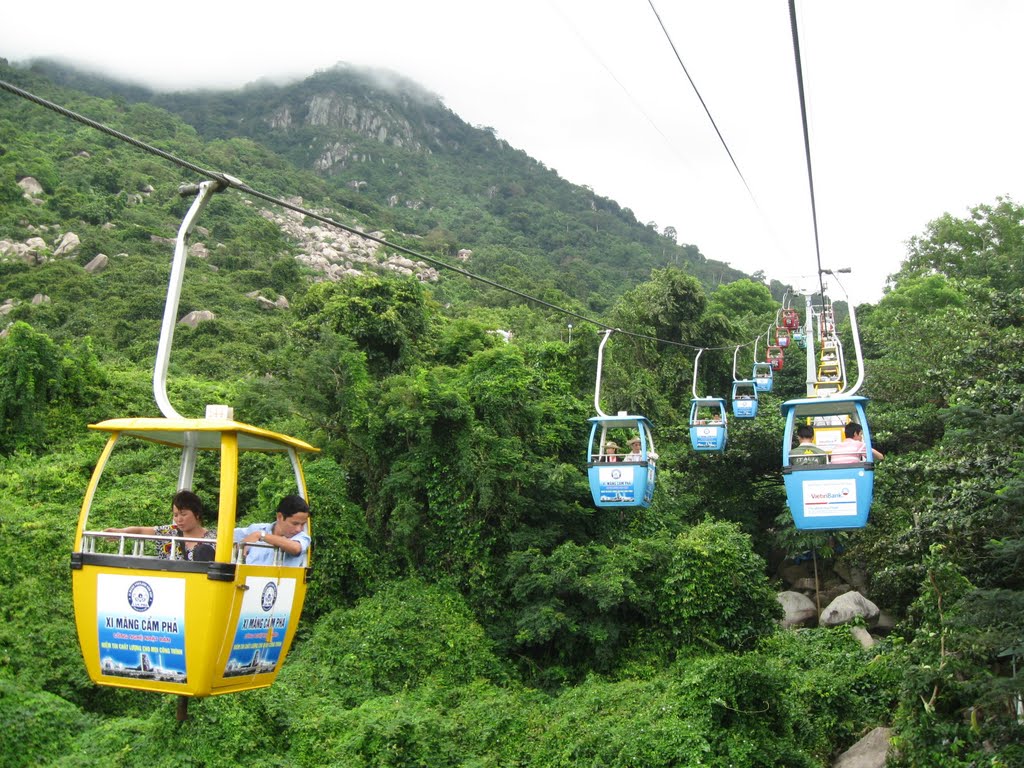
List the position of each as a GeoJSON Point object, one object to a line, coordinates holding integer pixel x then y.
{"type": "Point", "coordinates": [141, 624]}
{"type": "Point", "coordinates": [262, 626]}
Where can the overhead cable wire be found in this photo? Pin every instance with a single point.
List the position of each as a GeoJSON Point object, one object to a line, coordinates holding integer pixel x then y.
{"type": "Point", "coordinates": [231, 181]}
{"type": "Point", "coordinates": [807, 141]}
{"type": "Point", "coordinates": [629, 95]}
{"type": "Point", "coordinates": [769, 228]}
{"type": "Point", "coordinates": [714, 125]}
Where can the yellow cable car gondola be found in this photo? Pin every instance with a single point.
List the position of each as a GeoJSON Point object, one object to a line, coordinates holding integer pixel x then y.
{"type": "Point", "coordinates": [178, 624]}
{"type": "Point", "coordinates": [174, 625]}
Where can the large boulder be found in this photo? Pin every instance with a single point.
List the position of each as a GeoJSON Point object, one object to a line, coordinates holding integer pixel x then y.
{"type": "Point", "coordinates": [853, 575]}
{"type": "Point", "coordinates": [791, 572]}
{"type": "Point", "coordinates": [30, 188]}
{"type": "Point", "coordinates": [846, 608]}
{"type": "Point", "coordinates": [798, 610]}
{"type": "Point", "coordinates": [195, 317]}
{"type": "Point", "coordinates": [869, 752]}
{"type": "Point", "coordinates": [67, 245]}
{"type": "Point", "coordinates": [97, 264]}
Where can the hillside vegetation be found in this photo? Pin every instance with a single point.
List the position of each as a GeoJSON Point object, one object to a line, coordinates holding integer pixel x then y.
{"type": "Point", "coordinates": [468, 605]}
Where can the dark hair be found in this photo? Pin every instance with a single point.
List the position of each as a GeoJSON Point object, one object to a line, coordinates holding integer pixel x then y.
{"type": "Point", "coordinates": [805, 430]}
{"type": "Point", "coordinates": [188, 500]}
{"type": "Point", "coordinates": [291, 505]}
{"type": "Point", "coordinates": [853, 429]}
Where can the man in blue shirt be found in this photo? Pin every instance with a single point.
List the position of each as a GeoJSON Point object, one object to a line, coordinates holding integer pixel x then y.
{"type": "Point", "coordinates": [287, 533]}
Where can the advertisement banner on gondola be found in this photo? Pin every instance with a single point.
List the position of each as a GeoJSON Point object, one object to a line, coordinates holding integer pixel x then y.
{"type": "Point", "coordinates": [262, 626]}
{"type": "Point", "coordinates": [141, 623]}
{"type": "Point", "coordinates": [616, 484]}
{"type": "Point", "coordinates": [830, 498]}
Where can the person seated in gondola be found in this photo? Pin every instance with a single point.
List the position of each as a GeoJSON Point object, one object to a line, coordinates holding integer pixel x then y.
{"type": "Point", "coordinates": [187, 514]}
{"type": "Point", "coordinates": [287, 533]}
{"type": "Point", "coordinates": [852, 449]}
{"type": "Point", "coordinates": [635, 453]}
{"type": "Point", "coordinates": [806, 452]}
{"type": "Point", "coordinates": [610, 451]}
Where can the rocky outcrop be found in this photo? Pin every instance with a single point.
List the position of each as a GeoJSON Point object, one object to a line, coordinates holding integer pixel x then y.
{"type": "Point", "coordinates": [870, 752]}
{"type": "Point", "coordinates": [68, 244]}
{"type": "Point", "coordinates": [97, 264]}
{"type": "Point", "coordinates": [337, 254]}
{"type": "Point", "coordinates": [848, 607]}
{"type": "Point", "coordinates": [195, 317]}
{"type": "Point", "coordinates": [280, 303]}
{"type": "Point", "coordinates": [31, 190]}
{"type": "Point", "coordinates": [798, 609]}
{"type": "Point", "coordinates": [842, 591]}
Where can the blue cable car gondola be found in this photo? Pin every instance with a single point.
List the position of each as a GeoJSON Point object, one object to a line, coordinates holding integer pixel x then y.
{"type": "Point", "coordinates": [827, 496]}
{"type": "Point", "coordinates": [708, 428]}
{"type": "Point", "coordinates": [744, 399]}
{"type": "Point", "coordinates": [621, 479]}
{"type": "Point", "coordinates": [762, 376]}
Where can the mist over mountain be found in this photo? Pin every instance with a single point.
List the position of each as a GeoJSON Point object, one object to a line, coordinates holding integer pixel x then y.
{"type": "Point", "coordinates": [392, 151]}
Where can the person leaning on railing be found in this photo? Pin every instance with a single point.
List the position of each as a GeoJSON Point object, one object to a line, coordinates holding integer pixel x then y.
{"type": "Point", "coordinates": [287, 533]}
{"type": "Point", "coordinates": [187, 514]}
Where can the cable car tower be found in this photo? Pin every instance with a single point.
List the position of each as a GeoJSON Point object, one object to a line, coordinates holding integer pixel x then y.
{"type": "Point", "coordinates": [171, 624]}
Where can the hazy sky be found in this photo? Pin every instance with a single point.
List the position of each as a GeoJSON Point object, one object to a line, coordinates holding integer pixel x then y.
{"type": "Point", "coordinates": [914, 105]}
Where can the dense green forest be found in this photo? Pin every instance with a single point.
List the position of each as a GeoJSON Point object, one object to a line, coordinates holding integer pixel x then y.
{"type": "Point", "coordinates": [468, 605]}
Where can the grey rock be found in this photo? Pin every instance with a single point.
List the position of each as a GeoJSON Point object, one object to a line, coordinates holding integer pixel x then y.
{"type": "Point", "coordinates": [67, 245]}
{"type": "Point", "coordinates": [30, 187]}
{"type": "Point", "coordinates": [869, 752]}
{"type": "Point", "coordinates": [97, 264]}
{"type": "Point", "coordinates": [798, 610]}
{"type": "Point", "coordinates": [846, 608]}
{"type": "Point", "coordinates": [195, 317]}
{"type": "Point", "coordinates": [863, 637]}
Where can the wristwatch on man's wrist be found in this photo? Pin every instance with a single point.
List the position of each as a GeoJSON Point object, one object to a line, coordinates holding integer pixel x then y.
{"type": "Point", "coordinates": [263, 536]}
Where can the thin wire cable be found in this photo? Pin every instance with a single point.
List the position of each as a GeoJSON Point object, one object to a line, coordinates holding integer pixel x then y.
{"type": "Point", "coordinates": [701, 98]}
{"type": "Point", "coordinates": [231, 181]}
{"type": "Point", "coordinates": [807, 140]}
{"type": "Point", "coordinates": [629, 95]}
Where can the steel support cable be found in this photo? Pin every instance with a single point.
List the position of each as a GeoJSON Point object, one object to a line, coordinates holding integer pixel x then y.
{"type": "Point", "coordinates": [700, 98]}
{"type": "Point", "coordinates": [231, 181]}
{"type": "Point", "coordinates": [807, 140]}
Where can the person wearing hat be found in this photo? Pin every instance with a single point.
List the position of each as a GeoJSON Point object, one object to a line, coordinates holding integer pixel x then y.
{"type": "Point", "coordinates": [635, 454]}
{"type": "Point", "coordinates": [610, 449]}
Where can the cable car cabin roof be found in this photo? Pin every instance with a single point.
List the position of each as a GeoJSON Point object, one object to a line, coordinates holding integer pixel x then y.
{"type": "Point", "coordinates": [837, 405]}
{"type": "Point", "coordinates": [207, 433]}
{"type": "Point", "coordinates": [712, 402]}
{"type": "Point", "coordinates": [619, 420]}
